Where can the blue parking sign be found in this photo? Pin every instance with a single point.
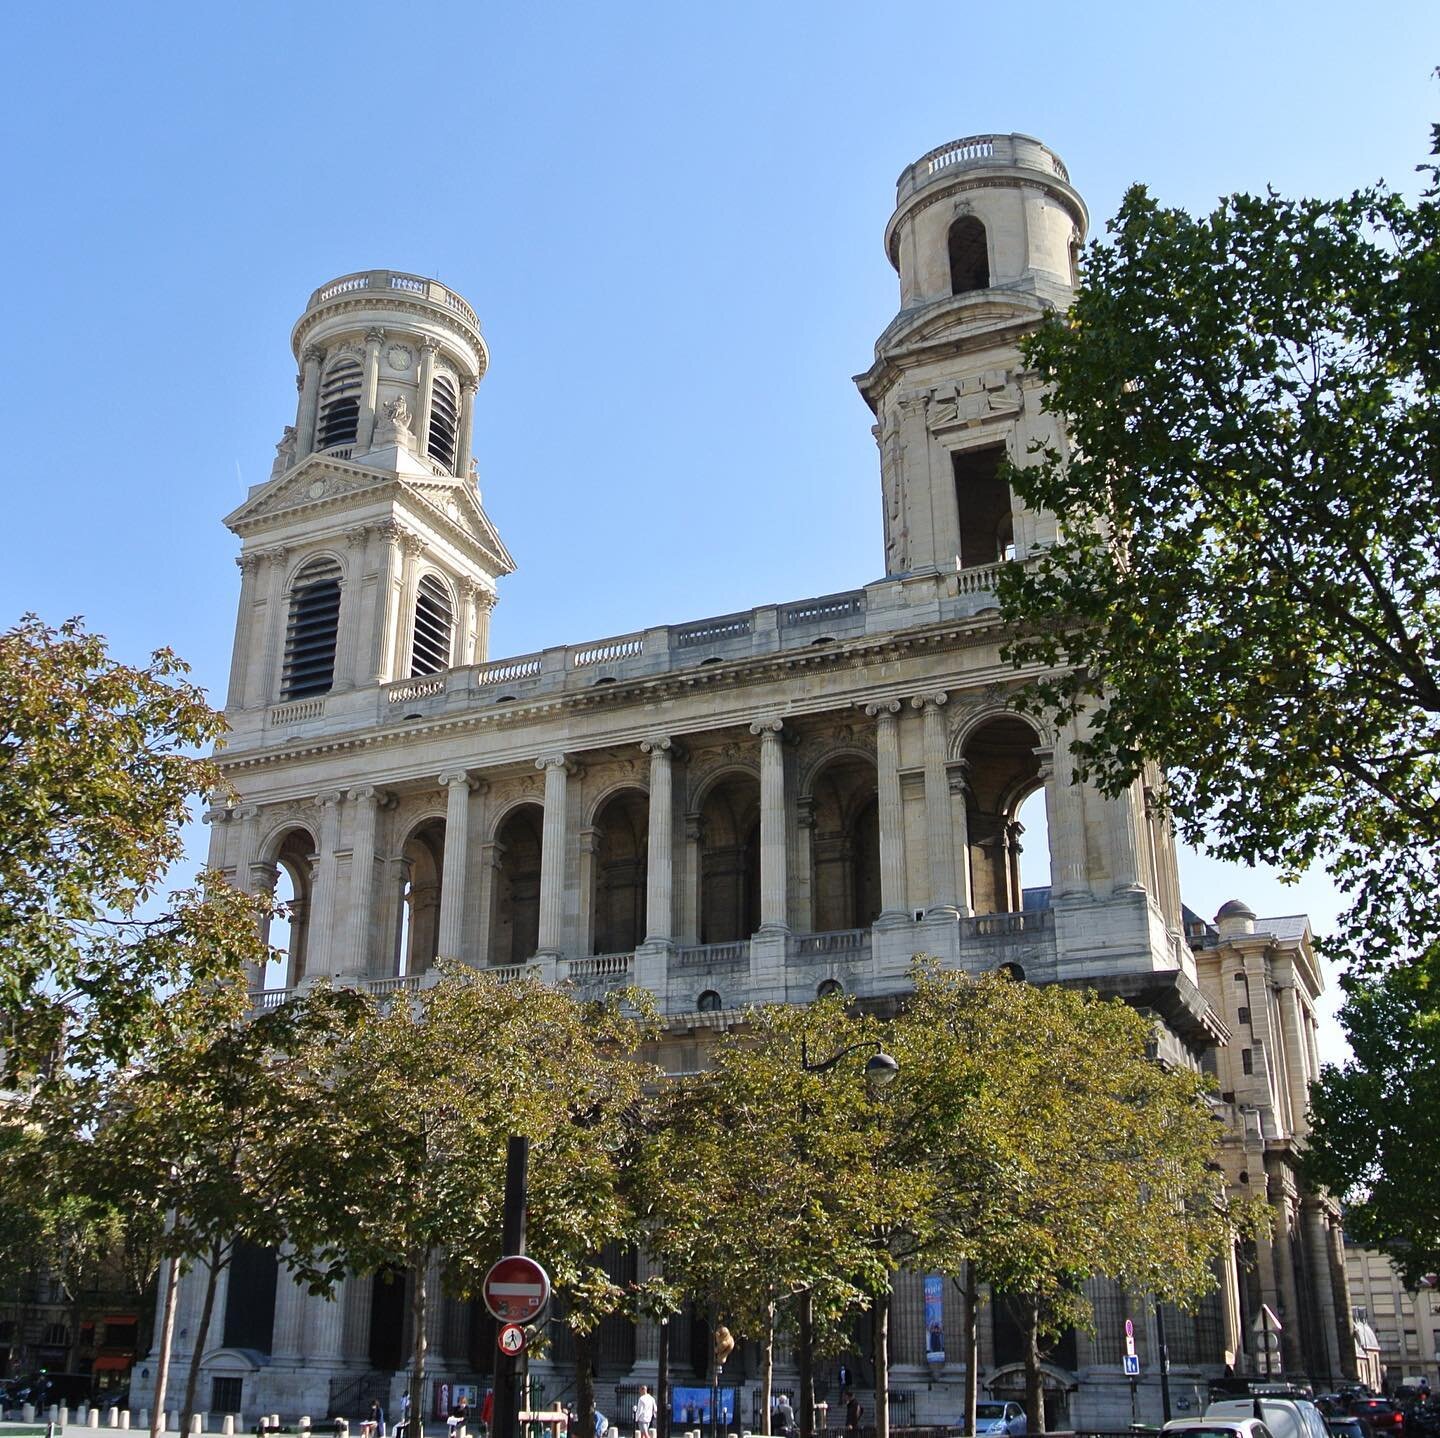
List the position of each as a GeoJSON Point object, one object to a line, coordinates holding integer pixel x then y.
{"type": "Point", "coordinates": [1132, 1366]}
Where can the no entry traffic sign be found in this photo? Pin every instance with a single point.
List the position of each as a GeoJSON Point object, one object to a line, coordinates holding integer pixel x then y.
{"type": "Point", "coordinates": [512, 1340]}
{"type": "Point", "coordinates": [516, 1289]}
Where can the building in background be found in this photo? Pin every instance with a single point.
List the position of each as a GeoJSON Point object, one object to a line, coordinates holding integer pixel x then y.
{"type": "Point", "coordinates": [1405, 1322]}
{"type": "Point", "coordinates": [759, 806]}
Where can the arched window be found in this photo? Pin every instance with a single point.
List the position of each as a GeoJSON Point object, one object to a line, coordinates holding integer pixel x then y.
{"type": "Point", "coordinates": [708, 1002]}
{"type": "Point", "coordinates": [434, 621]}
{"type": "Point", "coordinates": [444, 421]}
{"type": "Point", "coordinates": [828, 988]}
{"type": "Point", "coordinates": [969, 256]}
{"type": "Point", "coordinates": [314, 623]}
{"type": "Point", "coordinates": [339, 404]}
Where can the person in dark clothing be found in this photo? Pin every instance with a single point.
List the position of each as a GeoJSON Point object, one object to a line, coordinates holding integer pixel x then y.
{"type": "Point", "coordinates": [853, 1414]}
{"type": "Point", "coordinates": [783, 1418]}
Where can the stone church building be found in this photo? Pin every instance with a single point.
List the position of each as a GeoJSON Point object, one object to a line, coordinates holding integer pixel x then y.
{"type": "Point", "coordinates": [751, 807]}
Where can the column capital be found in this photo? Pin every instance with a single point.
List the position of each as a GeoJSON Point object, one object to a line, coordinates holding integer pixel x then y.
{"type": "Point", "coordinates": [556, 761]}
{"type": "Point", "coordinates": [357, 534]}
{"type": "Point", "coordinates": [217, 813]}
{"type": "Point", "coordinates": [770, 727]}
{"type": "Point", "coordinates": [883, 709]}
{"type": "Point", "coordinates": [412, 544]}
{"type": "Point", "coordinates": [589, 840]}
{"type": "Point", "coordinates": [660, 744]}
{"type": "Point", "coordinates": [391, 529]}
{"type": "Point", "coordinates": [374, 335]}
{"type": "Point", "coordinates": [276, 554]}
{"type": "Point", "coordinates": [368, 794]}
{"type": "Point", "coordinates": [933, 700]}
{"type": "Point", "coordinates": [248, 562]}
{"type": "Point", "coordinates": [487, 599]}
{"type": "Point", "coordinates": [469, 385]}
{"type": "Point", "coordinates": [429, 344]}
{"type": "Point", "coordinates": [243, 812]}
{"type": "Point", "coordinates": [264, 875]}
{"type": "Point", "coordinates": [455, 778]}
{"type": "Point", "coordinates": [313, 354]}
{"type": "Point", "coordinates": [329, 798]}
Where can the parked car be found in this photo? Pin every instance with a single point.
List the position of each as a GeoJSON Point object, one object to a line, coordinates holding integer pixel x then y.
{"type": "Point", "coordinates": [1008, 1418]}
{"type": "Point", "coordinates": [1218, 1428]}
{"type": "Point", "coordinates": [1345, 1425]}
{"type": "Point", "coordinates": [1285, 1417]}
{"type": "Point", "coordinates": [1380, 1413]}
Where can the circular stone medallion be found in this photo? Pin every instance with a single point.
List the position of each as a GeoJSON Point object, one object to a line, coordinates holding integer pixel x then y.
{"type": "Point", "coordinates": [399, 358]}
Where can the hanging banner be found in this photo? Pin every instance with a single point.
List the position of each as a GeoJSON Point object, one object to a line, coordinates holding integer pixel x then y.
{"type": "Point", "coordinates": [934, 1318]}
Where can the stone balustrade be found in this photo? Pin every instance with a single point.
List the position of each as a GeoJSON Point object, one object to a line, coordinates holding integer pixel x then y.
{"type": "Point", "coordinates": [347, 286]}
{"type": "Point", "coordinates": [978, 152]}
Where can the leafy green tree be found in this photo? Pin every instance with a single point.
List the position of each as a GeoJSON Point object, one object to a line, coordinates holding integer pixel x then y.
{"type": "Point", "coordinates": [97, 766]}
{"type": "Point", "coordinates": [1373, 1119]}
{"type": "Point", "coordinates": [425, 1095]}
{"type": "Point", "coordinates": [1245, 588]}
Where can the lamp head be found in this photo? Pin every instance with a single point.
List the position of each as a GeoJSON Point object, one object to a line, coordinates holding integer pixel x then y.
{"type": "Point", "coordinates": [880, 1070]}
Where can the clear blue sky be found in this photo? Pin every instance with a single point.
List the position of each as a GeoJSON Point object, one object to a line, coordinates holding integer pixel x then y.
{"type": "Point", "coordinates": [668, 217]}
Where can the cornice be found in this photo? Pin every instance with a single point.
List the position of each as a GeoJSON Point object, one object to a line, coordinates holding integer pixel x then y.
{"type": "Point", "coordinates": [647, 690]}
{"type": "Point", "coordinates": [394, 303]}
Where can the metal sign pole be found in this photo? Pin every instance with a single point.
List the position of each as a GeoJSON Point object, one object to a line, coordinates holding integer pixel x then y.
{"type": "Point", "coordinates": [517, 1159]}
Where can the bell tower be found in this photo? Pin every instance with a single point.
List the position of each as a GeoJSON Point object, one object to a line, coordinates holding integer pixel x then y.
{"type": "Point", "coordinates": [367, 556]}
{"type": "Point", "coordinates": [984, 237]}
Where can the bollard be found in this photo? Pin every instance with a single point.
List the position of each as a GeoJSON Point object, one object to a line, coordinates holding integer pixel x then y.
{"type": "Point", "coordinates": [197, 1422]}
{"type": "Point", "coordinates": [60, 1414]}
{"type": "Point", "coordinates": [304, 1423]}
{"type": "Point", "coordinates": [112, 1416]}
{"type": "Point", "coordinates": [92, 1418]}
{"type": "Point", "coordinates": [125, 1418]}
{"type": "Point", "coordinates": [142, 1420]}
{"type": "Point", "coordinates": [27, 1412]}
{"type": "Point", "coordinates": [227, 1425]}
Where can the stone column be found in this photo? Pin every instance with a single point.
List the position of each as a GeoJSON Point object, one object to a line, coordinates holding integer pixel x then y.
{"type": "Point", "coordinates": [413, 547]}
{"type": "Point", "coordinates": [428, 348]}
{"type": "Point", "coordinates": [321, 946]}
{"type": "Point", "coordinates": [287, 1343]}
{"type": "Point", "coordinates": [249, 564]}
{"type": "Point", "coordinates": [465, 622]}
{"type": "Point", "coordinates": [1292, 1044]}
{"type": "Point", "coordinates": [1282, 1252]}
{"type": "Point", "coordinates": [690, 880]}
{"type": "Point", "coordinates": [389, 584]}
{"type": "Point", "coordinates": [1124, 841]}
{"type": "Point", "coordinates": [325, 1328]}
{"type": "Point", "coordinates": [894, 907]}
{"type": "Point", "coordinates": [960, 829]}
{"type": "Point", "coordinates": [491, 856]}
{"type": "Point", "coordinates": [309, 401]}
{"type": "Point", "coordinates": [365, 802]}
{"type": "Point", "coordinates": [457, 839]}
{"type": "Point", "coordinates": [359, 1297]}
{"type": "Point", "coordinates": [464, 441]}
{"type": "Point", "coordinates": [773, 879]}
{"type": "Point", "coordinates": [352, 583]}
{"type": "Point", "coordinates": [1064, 820]}
{"type": "Point", "coordinates": [369, 390]}
{"type": "Point", "coordinates": [1317, 1253]}
{"type": "Point", "coordinates": [268, 641]}
{"type": "Point", "coordinates": [660, 859]}
{"type": "Point", "coordinates": [556, 769]}
{"type": "Point", "coordinates": [484, 607]}
{"type": "Point", "coordinates": [244, 842]}
{"type": "Point", "coordinates": [940, 838]}
{"type": "Point", "coordinates": [587, 846]}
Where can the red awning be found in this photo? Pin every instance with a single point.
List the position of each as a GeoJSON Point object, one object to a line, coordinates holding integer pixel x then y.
{"type": "Point", "coordinates": [115, 1363]}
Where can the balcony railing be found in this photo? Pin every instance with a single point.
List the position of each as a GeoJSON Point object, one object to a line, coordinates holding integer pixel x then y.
{"type": "Point", "coordinates": [736, 951]}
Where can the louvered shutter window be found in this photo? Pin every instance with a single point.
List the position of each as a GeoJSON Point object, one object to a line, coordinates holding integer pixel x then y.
{"type": "Point", "coordinates": [430, 653]}
{"type": "Point", "coordinates": [444, 422]}
{"type": "Point", "coordinates": [339, 404]}
{"type": "Point", "coordinates": [314, 624]}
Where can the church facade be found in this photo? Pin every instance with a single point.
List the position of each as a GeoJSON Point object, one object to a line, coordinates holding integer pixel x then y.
{"type": "Point", "coordinates": [752, 807]}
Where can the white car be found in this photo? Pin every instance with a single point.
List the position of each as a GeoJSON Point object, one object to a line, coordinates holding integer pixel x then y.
{"type": "Point", "coordinates": [1008, 1418]}
{"type": "Point", "coordinates": [1219, 1427]}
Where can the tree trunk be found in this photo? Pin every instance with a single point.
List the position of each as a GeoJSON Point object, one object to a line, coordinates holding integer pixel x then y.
{"type": "Point", "coordinates": [805, 1362]}
{"type": "Point", "coordinates": [584, 1384]}
{"type": "Point", "coordinates": [162, 1359]}
{"type": "Point", "coordinates": [1034, 1383]}
{"type": "Point", "coordinates": [970, 1344]}
{"type": "Point", "coordinates": [880, 1332]}
{"type": "Point", "coordinates": [215, 1263]}
{"type": "Point", "coordinates": [419, 1296]}
{"type": "Point", "coordinates": [767, 1372]}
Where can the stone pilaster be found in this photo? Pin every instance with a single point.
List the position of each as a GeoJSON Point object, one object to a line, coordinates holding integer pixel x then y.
{"type": "Point", "coordinates": [1317, 1253]}
{"type": "Point", "coordinates": [268, 648]}
{"type": "Point", "coordinates": [893, 902]}
{"type": "Point", "coordinates": [413, 547]}
{"type": "Point", "coordinates": [309, 401]}
{"type": "Point", "coordinates": [235, 694]}
{"type": "Point", "coordinates": [940, 837]}
{"type": "Point", "coordinates": [390, 584]}
{"type": "Point", "coordinates": [464, 439]}
{"type": "Point", "coordinates": [369, 390]}
{"type": "Point", "coordinates": [457, 840]}
{"type": "Point", "coordinates": [428, 349]}
{"type": "Point", "coordinates": [659, 874]}
{"type": "Point", "coordinates": [556, 769]}
{"type": "Point", "coordinates": [773, 879]}
{"type": "Point", "coordinates": [321, 946]}
{"type": "Point", "coordinates": [485, 602]}
{"type": "Point", "coordinates": [1292, 1043]}
{"type": "Point", "coordinates": [365, 802]}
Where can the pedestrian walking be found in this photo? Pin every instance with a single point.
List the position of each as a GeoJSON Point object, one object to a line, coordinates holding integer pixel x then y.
{"type": "Point", "coordinates": [645, 1414]}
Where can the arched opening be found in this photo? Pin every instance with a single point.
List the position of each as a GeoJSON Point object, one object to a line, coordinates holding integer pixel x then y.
{"type": "Point", "coordinates": [290, 932]}
{"type": "Point", "coordinates": [339, 404]}
{"type": "Point", "coordinates": [444, 422]}
{"type": "Point", "coordinates": [423, 870]}
{"type": "Point", "coordinates": [312, 630]}
{"type": "Point", "coordinates": [730, 860]}
{"type": "Point", "coordinates": [845, 845]}
{"type": "Point", "coordinates": [984, 506]}
{"type": "Point", "coordinates": [622, 831]}
{"type": "Point", "coordinates": [1032, 825]}
{"type": "Point", "coordinates": [515, 934]}
{"type": "Point", "coordinates": [434, 626]}
{"type": "Point", "coordinates": [969, 256]}
{"type": "Point", "coordinates": [828, 988]}
{"type": "Point", "coordinates": [1002, 770]}
{"type": "Point", "coordinates": [709, 1002]}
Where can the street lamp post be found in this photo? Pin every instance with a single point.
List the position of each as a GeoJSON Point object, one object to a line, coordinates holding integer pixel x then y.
{"type": "Point", "coordinates": [880, 1072]}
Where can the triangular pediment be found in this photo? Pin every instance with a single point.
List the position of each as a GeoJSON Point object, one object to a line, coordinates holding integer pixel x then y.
{"type": "Point", "coordinates": [314, 480]}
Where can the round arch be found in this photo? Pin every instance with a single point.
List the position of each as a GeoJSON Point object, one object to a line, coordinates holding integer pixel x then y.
{"type": "Point", "coordinates": [1002, 770]}
{"type": "Point", "coordinates": [844, 818]}
{"type": "Point", "coordinates": [620, 823]}
{"type": "Point", "coordinates": [514, 919]}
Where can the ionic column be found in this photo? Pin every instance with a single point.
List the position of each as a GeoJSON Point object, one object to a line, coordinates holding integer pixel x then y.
{"type": "Point", "coordinates": [457, 838]}
{"type": "Point", "coordinates": [659, 876]}
{"type": "Point", "coordinates": [428, 348]}
{"type": "Point", "coordinates": [467, 420]}
{"type": "Point", "coordinates": [485, 602]}
{"type": "Point", "coordinates": [940, 838]}
{"type": "Point", "coordinates": [265, 656]}
{"type": "Point", "coordinates": [320, 960]}
{"type": "Point", "coordinates": [1125, 843]}
{"type": "Point", "coordinates": [369, 390]}
{"type": "Point", "coordinates": [886, 715]}
{"type": "Point", "coordinates": [309, 401]}
{"type": "Point", "coordinates": [556, 769]}
{"type": "Point", "coordinates": [390, 585]}
{"type": "Point", "coordinates": [249, 565]}
{"type": "Point", "coordinates": [365, 802]}
{"type": "Point", "coordinates": [773, 879]}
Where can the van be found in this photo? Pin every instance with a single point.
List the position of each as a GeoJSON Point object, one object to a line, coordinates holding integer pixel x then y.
{"type": "Point", "coordinates": [1284, 1417]}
